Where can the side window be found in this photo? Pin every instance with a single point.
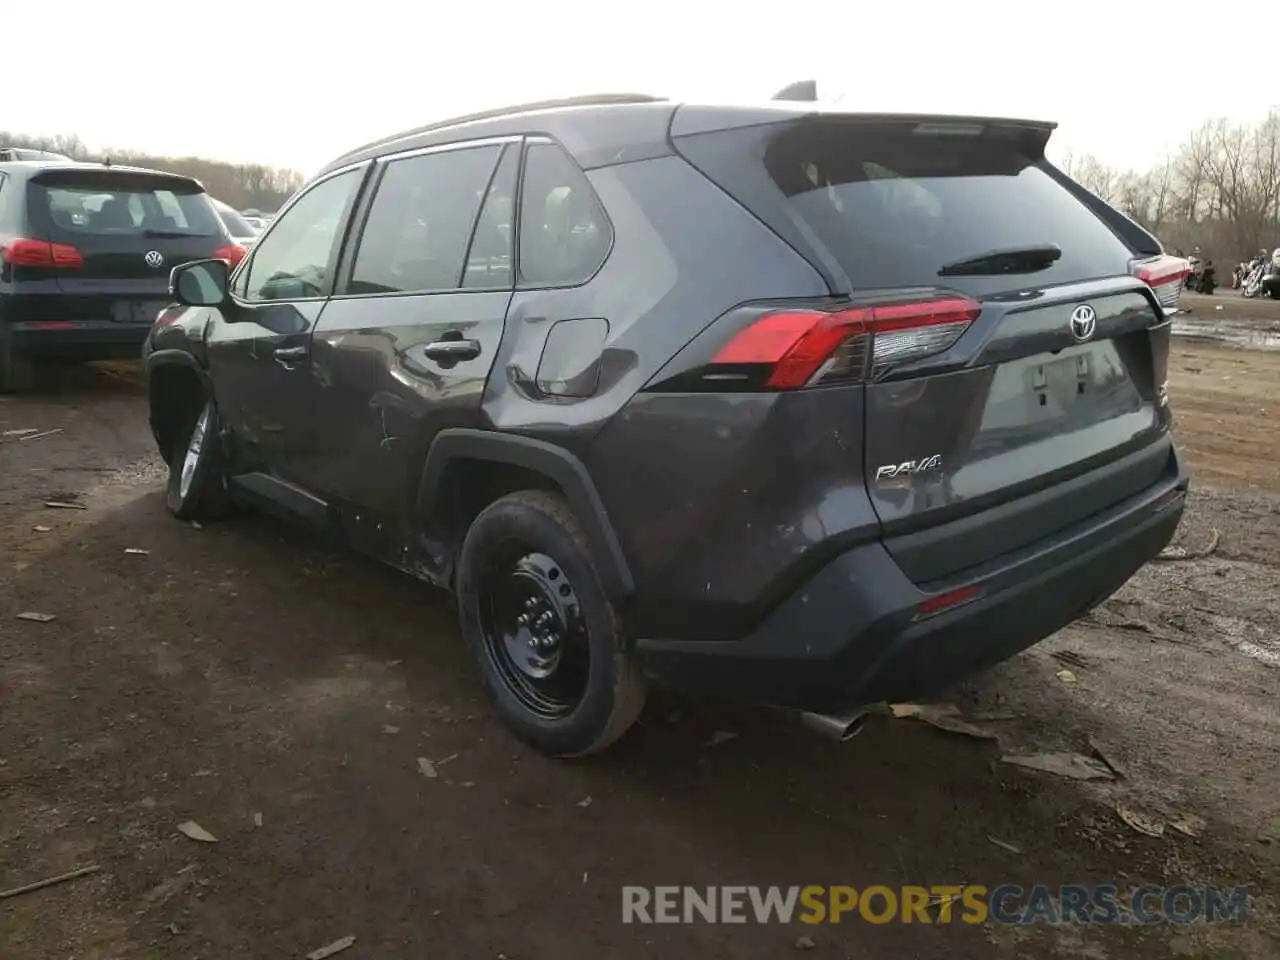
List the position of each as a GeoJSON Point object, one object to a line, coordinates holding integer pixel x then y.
{"type": "Point", "coordinates": [416, 236]}
{"type": "Point", "coordinates": [564, 234]}
{"type": "Point", "coordinates": [489, 259]}
{"type": "Point", "coordinates": [290, 262]}
{"type": "Point", "coordinates": [3, 195]}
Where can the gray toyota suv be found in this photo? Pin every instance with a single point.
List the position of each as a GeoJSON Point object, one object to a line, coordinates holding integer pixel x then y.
{"type": "Point", "coordinates": [809, 408]}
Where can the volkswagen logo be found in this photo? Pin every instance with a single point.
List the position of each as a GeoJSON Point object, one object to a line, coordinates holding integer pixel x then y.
{"type": "Point", "coordinates": [1083, 322]}
{"type": "Point", "coordinates": [154, 258]}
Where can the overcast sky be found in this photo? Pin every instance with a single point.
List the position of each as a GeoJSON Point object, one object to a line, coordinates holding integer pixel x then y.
{"type": "Point", "coordinates": [294, 84]}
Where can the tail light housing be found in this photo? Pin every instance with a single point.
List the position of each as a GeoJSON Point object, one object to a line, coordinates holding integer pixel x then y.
{"type": "Point", "coordinates": [233, 253]}
{"type": "Point", "coordinates": [1165, 276]}
{"type": "Point", "coordinates": [788, 349]}
{"type": "Point", "coordinates": [22, 252]}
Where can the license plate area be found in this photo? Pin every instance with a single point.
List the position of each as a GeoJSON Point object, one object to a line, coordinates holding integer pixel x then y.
{"type": "Point", "coordinates": [137, 311]}
{"type": "Point", "coordinates": [1053, 387]}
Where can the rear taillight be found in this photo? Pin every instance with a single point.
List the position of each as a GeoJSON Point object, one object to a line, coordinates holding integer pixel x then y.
{"type": "Point", "coordinates": [1165, 276]}
{"type": "Point", "coordinates": [233, 253]}
{"type": "Point", "coordinates": [40, 253]}
{"type": "Point", "coordinates": [797, 348]}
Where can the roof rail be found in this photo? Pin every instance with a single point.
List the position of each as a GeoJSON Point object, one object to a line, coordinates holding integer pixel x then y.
{"type": "Point", "coordinates": [587, 100]}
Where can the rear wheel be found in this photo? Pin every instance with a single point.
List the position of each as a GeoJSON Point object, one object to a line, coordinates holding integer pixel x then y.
{"type": "Point", "coordinates": [197, 486]}
{"type": "Point", "coordinates": [17, 373]}
{"type": "Point", "coordinates": [547, 640]}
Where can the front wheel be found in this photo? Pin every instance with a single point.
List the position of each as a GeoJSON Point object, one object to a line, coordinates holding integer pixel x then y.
{"type": "Point", "coordinates": [548, 641]}
{"type": "Point", "coordinates": [197, 486]}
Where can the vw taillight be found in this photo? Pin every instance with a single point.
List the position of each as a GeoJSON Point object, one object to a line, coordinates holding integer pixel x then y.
{"type": "Point", "coordinates": [233, 253]}
{"type": "Point", "coordinates": [22, 252]}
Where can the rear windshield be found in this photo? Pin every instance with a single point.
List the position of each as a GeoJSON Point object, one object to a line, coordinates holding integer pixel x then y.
{"type": "Point", "coordinates": [125, 206]}
{"type": "Point", "coordinates": [892, 207]}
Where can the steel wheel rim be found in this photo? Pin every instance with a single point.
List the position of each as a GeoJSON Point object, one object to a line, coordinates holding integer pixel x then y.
{"type": "Point", "coordinates": [534, 631]}
{"type": "Point", "coordinates": [192, 457]}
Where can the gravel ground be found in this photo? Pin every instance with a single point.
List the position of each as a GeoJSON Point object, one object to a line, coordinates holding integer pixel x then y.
{"type": "Point", "coordinates": [279, 693]}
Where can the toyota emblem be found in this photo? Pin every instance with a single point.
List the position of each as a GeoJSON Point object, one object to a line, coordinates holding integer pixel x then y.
{"type": "Point", "coordinates": [1083, 322]}
{"type": "Point", "coordinates": [154, 258]}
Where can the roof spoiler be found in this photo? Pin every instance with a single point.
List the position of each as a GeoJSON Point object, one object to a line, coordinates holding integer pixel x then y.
{"type": "Point", "coordinates": [802, 90]}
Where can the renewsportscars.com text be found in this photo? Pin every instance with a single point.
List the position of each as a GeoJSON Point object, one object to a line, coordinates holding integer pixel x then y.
{"type": "Point", "coordinates": [964, 903]}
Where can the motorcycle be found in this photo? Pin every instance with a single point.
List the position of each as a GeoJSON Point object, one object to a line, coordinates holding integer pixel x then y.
{"type": "Point", "coordinates": [1251, 285]}
{"type": "Point", "coordinates": [1271, 276]}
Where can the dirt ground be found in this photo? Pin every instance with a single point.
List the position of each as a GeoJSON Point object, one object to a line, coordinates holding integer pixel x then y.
{"type": "Point", "coordinates": [278, 693]}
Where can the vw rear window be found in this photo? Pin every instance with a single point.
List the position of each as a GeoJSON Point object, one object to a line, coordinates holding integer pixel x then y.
{"type": "Point", "coordinates": [128, 206]}
{"type": "Point", "coordinates": [891, 206]}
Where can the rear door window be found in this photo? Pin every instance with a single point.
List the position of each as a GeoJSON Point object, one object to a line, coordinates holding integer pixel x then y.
{"type": "Point", "coordinates": [124, 205]}
{"type": "Point", "coordinates": [489, 259]}
{"type": "Point", "coordinates": [892, 204]}
{"type": "Point", "coordinates": [564, 233]}
{"type": "Point", "coordinates": [420, 223]}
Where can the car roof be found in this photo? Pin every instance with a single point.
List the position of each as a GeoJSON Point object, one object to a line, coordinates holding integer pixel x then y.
{"type": "Point", "coordinates": [613, 119]}
{"type": "Point", "coordinates": [25, 169]}
{"type": "Point", "coordinates": [609, 128]}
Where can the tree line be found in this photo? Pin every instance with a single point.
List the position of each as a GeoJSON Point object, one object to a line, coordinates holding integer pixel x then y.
{"type": "Point", "coordinates": [244, 186]}
{"type": "Point", "coordinates": [1220, 190]}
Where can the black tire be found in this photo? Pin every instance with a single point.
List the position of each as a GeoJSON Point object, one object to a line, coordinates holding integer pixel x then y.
{"type": "Point", "coordinates": [197, 488]}
{"type": "Point", "coordinates": [529, 546]}
{"type": "Point", "coordinates": [16, 373]}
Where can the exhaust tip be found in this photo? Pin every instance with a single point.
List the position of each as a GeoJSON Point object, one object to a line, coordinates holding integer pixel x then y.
{"type": "Point", "coordinates": [835, 727]}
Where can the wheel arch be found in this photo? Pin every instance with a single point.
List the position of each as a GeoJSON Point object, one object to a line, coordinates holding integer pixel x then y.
{"type": "Point", "coordinates": [456, 453]}
{"type": "Point", "coordinates": [176, 387]}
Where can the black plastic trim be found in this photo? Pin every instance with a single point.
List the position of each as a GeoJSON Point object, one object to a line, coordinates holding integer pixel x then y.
{"type": "Point", "coordinates": [275, 494]}
{"type": "Point", "coordinates": [170, 357]}
{"type": "Point", "coordinates": [558, 465]}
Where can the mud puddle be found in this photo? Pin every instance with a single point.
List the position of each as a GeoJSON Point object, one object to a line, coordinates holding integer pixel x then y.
{"type": "Point", "coordinates": [1246, 334]}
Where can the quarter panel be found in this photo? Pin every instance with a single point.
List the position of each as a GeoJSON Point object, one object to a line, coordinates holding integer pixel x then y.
{"type": "Point", "coordinates": [683, 253]}
{"type": "Point", "coordinates": [724, 503]}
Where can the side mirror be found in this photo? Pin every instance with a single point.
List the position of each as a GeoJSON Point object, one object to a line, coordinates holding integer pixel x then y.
{"type": "Point", "coordinates": [201, 283]}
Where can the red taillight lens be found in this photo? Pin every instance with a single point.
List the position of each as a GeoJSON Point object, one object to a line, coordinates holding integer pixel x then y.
{"type": "Point", "coordinates": [41, 253]}
{"type": "Point", "coordinates": [805, 347]}
{"type": "Point", "coordinates": [1165, 276]}
{"type": "Point", "coordinates": [233, 253]}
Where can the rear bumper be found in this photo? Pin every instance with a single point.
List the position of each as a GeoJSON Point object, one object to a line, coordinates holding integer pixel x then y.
{"type": "Point", "coordinates": [79, 340]}
{"type": "Point", "coordinates": [851, 636]}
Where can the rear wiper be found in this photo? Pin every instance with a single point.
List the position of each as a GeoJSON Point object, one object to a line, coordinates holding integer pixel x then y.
{"type": "Point", "coordinates": [1010, 260]}
{"type": "Point", "coordinates": [173, 233]}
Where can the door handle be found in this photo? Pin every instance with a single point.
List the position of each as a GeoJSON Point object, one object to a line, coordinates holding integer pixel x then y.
{"type": "Point", "coordinates": [288, 356]}
{"type": "Point", "coordinates": [452, 350]}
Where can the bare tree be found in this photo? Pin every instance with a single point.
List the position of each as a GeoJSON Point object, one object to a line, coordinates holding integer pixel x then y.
{"type": "Point", "coordinates": [242, 186]}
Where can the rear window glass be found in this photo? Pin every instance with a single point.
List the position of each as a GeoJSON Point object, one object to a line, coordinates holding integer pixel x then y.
{"type": "Point", "coordinates": [101, 207]}
{"type": "Point", "coordinates": [892, 207]}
